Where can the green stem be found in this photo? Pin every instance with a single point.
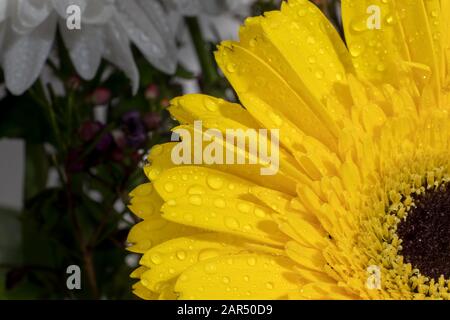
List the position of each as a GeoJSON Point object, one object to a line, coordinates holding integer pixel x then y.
{"type": "Point", "coordinates": [51, 117]}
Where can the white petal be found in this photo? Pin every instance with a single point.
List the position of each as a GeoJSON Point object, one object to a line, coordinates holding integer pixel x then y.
{"type": "Point", "coordinates": [155, 13]}
{"type": "Point", "coordinates": [85, 47]}
{"type": "Point", "coordinates": [141, 30]}
{"type": "Point", "coordinates": [186, 7]}
{"type": "Point", "coordinates": [147, 37]}
{"type": "Point", "coordinates": [62, 5]}
{"type": "Point", "coordinates": [213, 7]}
{"type": "Point", "coordinates": [98, 12]}
{"type": "Point", "coordinates": [241, 7]}
{"type": "Point", "coordinates": [117, 51]}
{"type": "Point", "coordinates": [25, 55]}
{"type": "Point", "coordinates": [3, 9]}
{"type": "Point", "coordinates": [28, 14]}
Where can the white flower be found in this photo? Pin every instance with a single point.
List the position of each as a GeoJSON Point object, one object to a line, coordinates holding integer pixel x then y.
{"type": "Point", "coordinates": [218, 19]}
{"type": "Point", "coordinates": [28, 29]}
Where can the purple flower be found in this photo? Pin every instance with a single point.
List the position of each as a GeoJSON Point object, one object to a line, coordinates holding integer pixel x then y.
{"type": "Point", "coordinates": [134, 129]}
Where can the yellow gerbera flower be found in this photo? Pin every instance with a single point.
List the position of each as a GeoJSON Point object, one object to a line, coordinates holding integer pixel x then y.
{"type": "Point", "coordinates": [359, 207]}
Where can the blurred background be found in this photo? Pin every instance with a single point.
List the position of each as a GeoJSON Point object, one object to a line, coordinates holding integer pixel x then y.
{"type": "Point", "coordinates": [79, 109]}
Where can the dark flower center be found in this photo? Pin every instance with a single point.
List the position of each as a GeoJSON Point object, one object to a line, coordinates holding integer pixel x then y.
{"type": "Point", "coordinates": [426, 233]}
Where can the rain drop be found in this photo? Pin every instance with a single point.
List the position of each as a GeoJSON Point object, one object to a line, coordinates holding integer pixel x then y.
{"type": "Point", "coordinates": [251, 261]}
{"type": "Point", "coordinates": [220, 203]}
{"type": "Point", "coordinates": [231, 223]}
{"type": "Point", "coordinates": [196, 190]}
{"type": "Point", "coordinates": [211, 105]}
{"type": "Point", "coordinates": [156, 259]}
{"type": "Point", "coordinates": [244, 207]}
{"type": "Point", "coordinates": [169, 187]}
{"type": "Point", "coordinates": [356, 49]}
{"type": "Point", "coordinates": [195, 200]}
{"type": "Point", "coordinates": [207, 254]}
{"type": "Point", "coordinates": [214, 182]}
{"type": "Point", "coordinates": [181, 255]}
{"type": "Point", "coordinates": [231, 67]}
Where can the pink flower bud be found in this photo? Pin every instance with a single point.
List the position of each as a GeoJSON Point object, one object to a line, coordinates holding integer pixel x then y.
{"type": "Point", "coordinates": [101, 96]}
{"type": "Point", "coordinates": [152, 92]}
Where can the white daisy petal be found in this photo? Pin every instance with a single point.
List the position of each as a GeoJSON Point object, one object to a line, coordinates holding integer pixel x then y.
{"type": "Point", "coordinates": [186, 7]}
{"type": "Point", "coordinates": [150, 24]}
{"type": "Point", "coordinates": [117, 51]}
{"type": "Point", "coordinates": [155, 13]}
{"type": "Point", "coordinates": [85, 47]}
{"type": "Point", "coordinates": [140, 30]}
{"type": "Point", "coordinates": [98, 12]}
{"type": "Point", "coordinates": [3, 8]}
{"type": "Point", "coordinates": [28, 14]}
{"type": "Point", "coordinates": [62, 5]}
{"type": "Point", "coordinates": [25, 55]}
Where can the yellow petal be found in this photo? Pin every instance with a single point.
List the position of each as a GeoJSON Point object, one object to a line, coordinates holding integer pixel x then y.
{"type": "Point", "coordinates": [232, 216]}
{"type": "Point", "coordinates": [142, 292]}
{"type": "Point", "coordinates": [169, 259]}
{"type": "Point", "coordinates": [307, 257]}
{"type": "Point", "coordinates": [375, 39]}
{"type": "Point", "coordinates": [154, 231]}
{"type": "Point", "coordinates": [193, 107]}
{"type": "Point", "coordinates": [145, 201]}
{"type": "Point", "coordinates": [250, 75]}
{"type": "Point", "coordinates": [249, 276]}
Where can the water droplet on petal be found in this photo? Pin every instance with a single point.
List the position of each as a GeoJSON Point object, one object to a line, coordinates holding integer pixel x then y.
{"type": "Point", "coordinates": [231, 67]}
{"type": "Point", "coordinates": [251, 261]}
{"type": "Point", "coordinates": [269, 285]}
{"type": "Point", "coordinates": [169, 187]}
{"type": "Point", "coordinates": [226, 280]}
{"type": "Point", "coordinates": [195, 200]}
{"type": "Point", "coordinates": [390, 20]}
{"type": "Point", "coordinates": [220, 203]}
{"type": "Point", "coordinates": [156, 259]}
{"type": "Point", "coordinates": [231, 223]}
{"type": "Point", "coordinates": [319, 74]}
{"type": "Point", "coordinates": [214, 182]}
{"type": "Point", "coordinates": [181, 255]}
{"type": "Point", "coordinates": [310, 40]}
{"type": "Point", "coordinates": [207, 254]}
{"type": "Point", "coordinates": [356, 49]}
{"type": "Point", "coordinates": [196, 190]}
{"type": "Point", "coordinates": [244, 207]}
{"type": "Point", "coordinates": [210, 105]}
{"type": "Point", "coordinates": [359, 24]}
